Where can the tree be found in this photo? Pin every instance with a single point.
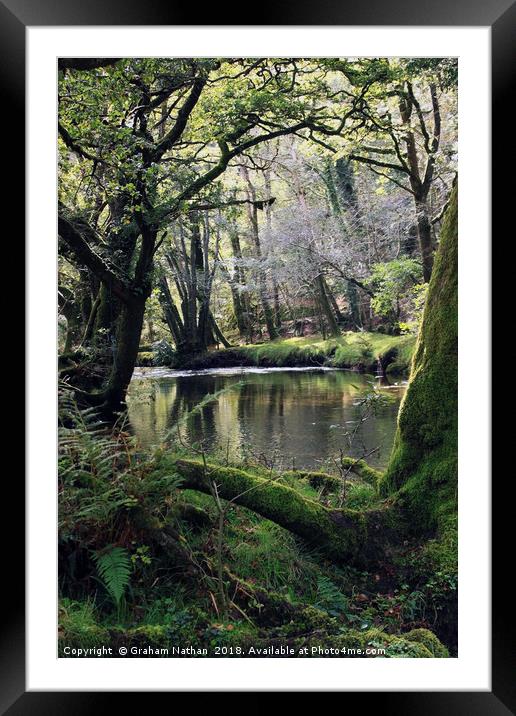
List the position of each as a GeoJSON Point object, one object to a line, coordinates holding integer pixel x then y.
{"type": "Point", "coordinates": [391, 283]}
{"type": "Point", "coordinates": [255, 233]}
{"type": "Point", "coordinates": [404, 149]}
{"type": "Point", "coordinates": [193, 326]}
{"type": "Point", "coordinates": [146, 149]}
{"type": "Point", "coordinates": [139, 152]}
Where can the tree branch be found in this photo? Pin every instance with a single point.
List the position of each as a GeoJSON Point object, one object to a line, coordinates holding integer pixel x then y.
{"type": "Point", "coordinates": [260, 204]}
{"type": "Point", "coordinates": [182, 117]}
{"type": "Point", "coordinates": [377, 163]}
{"type": "Point", "coordinates": [83, 252]}
{"type": "Point", "coordinates": [72, 144]}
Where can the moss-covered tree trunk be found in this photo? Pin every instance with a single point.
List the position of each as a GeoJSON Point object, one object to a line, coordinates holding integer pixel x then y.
{"type": "Point", "coordinates": [423, 463]}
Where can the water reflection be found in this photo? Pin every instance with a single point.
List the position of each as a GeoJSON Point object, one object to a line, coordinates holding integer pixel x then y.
{"type": "Point", "coordinates": [300, 417]}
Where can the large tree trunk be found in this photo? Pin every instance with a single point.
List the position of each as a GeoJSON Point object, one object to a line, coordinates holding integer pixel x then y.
{"type": "Point", "coordinates": [423, 464]}
{"type": "Point", "coordinates": [126, 352]}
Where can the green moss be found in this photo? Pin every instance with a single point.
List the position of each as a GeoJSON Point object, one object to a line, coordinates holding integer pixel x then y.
{"type": "Point", "coordinates": [373, 643]}
{"type": "Point", "coordinates": [154, 635]}
{"type": "Point", "coordinates": [422, 471]}
{"type": "Point", "coordinates": [363, 470]}
{"type": "Point", "coordinates": [145, 358]}
{"type": "Point", "coordinates": [78, 626]}
{"type": "Point", "coordinates": [402, 358]}
{"type": "Point", "coordinates": [353, 350]}
{"type": "Point", "coordinates": [429, 640]}
{"type": "Point", "coordinates": [361, 496]}
{"type": "Point", "coordinates": [317, 480]}
{"type": "Point", "coordinates": [423, 464]}
{"type": "Point", "coordinates": [340, 533]}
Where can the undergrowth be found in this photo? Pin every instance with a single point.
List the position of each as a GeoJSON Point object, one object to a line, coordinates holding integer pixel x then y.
{"type": "Point", "coordinates": [119, 584]}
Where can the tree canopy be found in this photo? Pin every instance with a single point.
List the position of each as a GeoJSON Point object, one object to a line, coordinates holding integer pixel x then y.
{"type": "Point", "coordinates": [242, 194]}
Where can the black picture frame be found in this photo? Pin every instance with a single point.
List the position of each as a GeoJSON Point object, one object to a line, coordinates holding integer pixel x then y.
{"type": "Point", "coordinates": [15, 16]}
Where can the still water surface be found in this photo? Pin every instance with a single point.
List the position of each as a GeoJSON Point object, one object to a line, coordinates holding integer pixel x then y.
{"type": "Point", "coordinates": [293, 416]}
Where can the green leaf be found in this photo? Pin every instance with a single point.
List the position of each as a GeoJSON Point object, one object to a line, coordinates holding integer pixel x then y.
{"type": "Point", "coordinates": [114, 570]}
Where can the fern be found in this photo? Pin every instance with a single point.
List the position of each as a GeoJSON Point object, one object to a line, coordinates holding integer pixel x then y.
{"type": "Point", "coordinates": [329, 598]}
{"type": "Point", "coordinates": [114, 570]}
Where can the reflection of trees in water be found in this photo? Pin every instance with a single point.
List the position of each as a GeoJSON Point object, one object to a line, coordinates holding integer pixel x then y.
{"type": "Point", "coordinates": [200, 426]}
{"type": "Point", "coordinates": [148, 408]}
{"type": "Point", "coordinates": [292, 415]}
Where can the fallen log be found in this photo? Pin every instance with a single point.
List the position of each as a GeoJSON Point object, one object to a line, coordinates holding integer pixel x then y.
{"type": "Point", "coordinates": [344, 535]}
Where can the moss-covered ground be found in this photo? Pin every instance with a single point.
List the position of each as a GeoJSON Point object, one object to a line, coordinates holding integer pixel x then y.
{"type": "Point", "coordinates": [354, 350]}
{"type": "Point", "coordinates": [285, 597]}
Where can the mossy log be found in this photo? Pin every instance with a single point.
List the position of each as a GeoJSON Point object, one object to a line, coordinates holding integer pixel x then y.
{"type": "Point", "coordinates": [322, 479]}
{"type": "Point", "coordinates": [342, 534]}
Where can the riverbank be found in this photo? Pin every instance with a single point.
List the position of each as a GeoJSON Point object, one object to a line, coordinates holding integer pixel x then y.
{"type": "Point", "coordinates": [360, 351]}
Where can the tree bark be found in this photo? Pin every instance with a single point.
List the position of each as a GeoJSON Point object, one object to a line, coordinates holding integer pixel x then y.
{"type": "Point", "coordinates": [125, 354]}
{"type": "Point", "coordinates": [426, 236]}
{"type": "Point", "coordinates": [421, 182]}
{"type": "Point", "coordinates": [326, 307]}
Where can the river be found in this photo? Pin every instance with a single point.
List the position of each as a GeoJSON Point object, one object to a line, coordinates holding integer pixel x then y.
{"type": "Point", "coordinates": [283, 417]}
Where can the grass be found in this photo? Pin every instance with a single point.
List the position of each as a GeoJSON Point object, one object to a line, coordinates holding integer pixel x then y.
{"type": "Point", "coordinates": [354, 350]}
{"type": "Point", "coordinates": [307, 599]}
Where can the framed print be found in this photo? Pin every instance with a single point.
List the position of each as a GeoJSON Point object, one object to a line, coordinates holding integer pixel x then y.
{"type": "Point", "coordinates": [258, 423]}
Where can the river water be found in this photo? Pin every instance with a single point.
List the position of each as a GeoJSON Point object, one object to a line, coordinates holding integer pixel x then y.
{"type": "Point", "coordinates": [281, 416]}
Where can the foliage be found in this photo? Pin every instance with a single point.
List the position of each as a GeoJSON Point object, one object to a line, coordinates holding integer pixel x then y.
{"type": "Point", "coordinates": [163, 353]}
{"type": "Point", "coordinates": [393, 283]}
{"type": "Point", "coordinates": [114, 569]}
{"type": "Point", "coordinates": [108, 488]}
{"type": "Point", "coordinates": [258, 197]}
{"type": "Point", "coordinates": [269, 556]}
{"type": "Point", "coordinates": [329, 598]}
{"type": "Point", "coordinates": [78, 623]}
{"type": "Point", "coordinates": [243, 196]}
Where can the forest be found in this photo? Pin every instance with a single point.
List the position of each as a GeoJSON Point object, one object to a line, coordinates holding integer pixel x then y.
{"type": "Point", "coordinates": [257, 357]}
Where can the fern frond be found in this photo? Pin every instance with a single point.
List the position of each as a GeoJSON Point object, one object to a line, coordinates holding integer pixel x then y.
{"type": "Point", "coordinates": [329, 598]}
{"type": "Point", "coordinates": [114, 569]}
